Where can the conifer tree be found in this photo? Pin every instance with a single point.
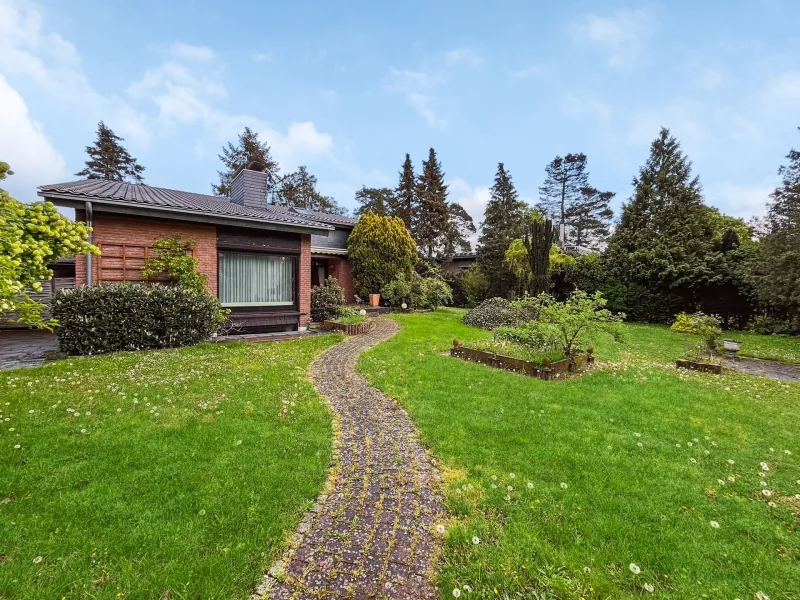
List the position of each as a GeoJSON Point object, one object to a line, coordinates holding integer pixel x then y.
{"type": "Point", "coordinates": [299, 189]}
{"type": "Point", "coordinates": [564, 179]}
{"type": "Point", "coordinates": [776, 270]}
{"type": "Point", "coordinates": [248, 149]}
{"type": "Point", "coordinates": [432, 217]}
{"type": "Point", "coordinates": [589, 217]}
{"type": "Point", "coordinates": [659, 256]}
{"type": "Point", "coordinates": [381, 201]}
{"type": "Point", "coordinates": [108, 159]}
{"type": "Point", "coordinates": [406, 201]}
{"type": "Point", "coordinates": [503, 222]}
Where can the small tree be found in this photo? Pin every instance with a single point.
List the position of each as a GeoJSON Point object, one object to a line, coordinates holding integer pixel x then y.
{"type": "Point", "coordinates": [173, 261]}
{"type": "Point", "coordinates": [538, 239]}
{"type": "Point", "coordinates": [32, 237]}
{"type": "Point", "coordinates": [571, 320]}
{"type": "Point", "coordinates": [108, 159]}
{"type": "Point", "coordinates": [380, 249]}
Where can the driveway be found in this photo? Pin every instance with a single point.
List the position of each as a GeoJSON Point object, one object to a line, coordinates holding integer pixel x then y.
{"type": "Point", "coordinates": [25, 347]}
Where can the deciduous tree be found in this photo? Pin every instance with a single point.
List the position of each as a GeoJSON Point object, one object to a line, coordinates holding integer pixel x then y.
{"type": "Point", "coordinates": [299, 189]}
{"type": "Point", "coordinates": [108, 159]}
{"type": "Point", "coordinates": [380, 201]}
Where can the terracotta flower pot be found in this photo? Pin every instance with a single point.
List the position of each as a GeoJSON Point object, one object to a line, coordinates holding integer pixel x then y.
{"type": "Point", "coordinates": [374, 299]}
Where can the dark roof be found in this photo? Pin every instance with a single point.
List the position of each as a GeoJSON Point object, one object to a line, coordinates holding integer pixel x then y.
{"type": "Point", "coordinates": [145, 196]}
{"type": "Point", "coordinates": [464, 256]}
{"type": "Point", "coordinates": [329, 218]}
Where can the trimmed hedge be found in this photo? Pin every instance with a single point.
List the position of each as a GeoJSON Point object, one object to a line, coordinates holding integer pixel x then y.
{"type": "Point", "coordinates": [494, 313]}
{"type": "Point", "coordinates": [113, 317]}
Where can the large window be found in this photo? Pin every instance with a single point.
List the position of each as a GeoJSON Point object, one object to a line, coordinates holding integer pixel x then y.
{"type": "Point", "coordinates": [256, 279]}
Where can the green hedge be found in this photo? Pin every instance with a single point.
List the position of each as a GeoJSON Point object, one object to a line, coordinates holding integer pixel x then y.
{"type": "Point", "coordinates": [113, 317]}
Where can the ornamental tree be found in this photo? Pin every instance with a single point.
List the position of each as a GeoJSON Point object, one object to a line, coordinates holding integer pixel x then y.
{"type": "Point", "coordinates": [32, 237]}
{"type": "Point", "coordinates": [380, 249]}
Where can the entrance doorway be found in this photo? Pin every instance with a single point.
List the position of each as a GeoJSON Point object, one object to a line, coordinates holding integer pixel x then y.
{"type": "Point", "coordinates": [319, 271]}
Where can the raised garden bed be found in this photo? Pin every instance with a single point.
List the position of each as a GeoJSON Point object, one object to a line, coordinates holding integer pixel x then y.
{"type": "Point", "coordinates": [349, 329]}
{"type": "Point", "coordinates": [699, 366]}
{"type": "Point", "coordinates": [556, 370]}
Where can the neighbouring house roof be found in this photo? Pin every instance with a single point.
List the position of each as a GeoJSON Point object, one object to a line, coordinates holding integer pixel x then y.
{"type": "Point", "coordinates": [329, 218]}
{"type": "Point", "coordinates": [132, 198]}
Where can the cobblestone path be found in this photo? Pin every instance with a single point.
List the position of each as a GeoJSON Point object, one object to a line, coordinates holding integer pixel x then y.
{"type": "Point", "coordinates": [373, 534]}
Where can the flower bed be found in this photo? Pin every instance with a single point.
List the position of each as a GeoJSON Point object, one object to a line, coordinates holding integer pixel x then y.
{"type": "Point", "coordinates": [348, 328]}
{"type": "Point", "coordinates": [556, 370]}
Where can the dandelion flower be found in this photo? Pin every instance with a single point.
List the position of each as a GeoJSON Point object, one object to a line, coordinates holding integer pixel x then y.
{"type": "Point", "coordinates": [440, 528]}
{"type": "Point", "coordinates": [649, 587]}
{"type": "Point", "coordinates": [715, 525]}
{"type": "Point", "coordinates": [766, 493]}
{"type": "Point", "coordinates": [456, 593]}
{"type": "Point", "coordinates": [511, 475]}
{"type": "Point", "coordinates": [37, 560]}
{"type": "Point", "coordinates": [563, 485]}
{"type": "Point", "coordinates": [476, 540]}
{"type": "Point", "coordinates": [634, 569]}
{"type": "Point", "coordinates": [530, 485]}
{"type": "Point", "coordinates": [731, 461]}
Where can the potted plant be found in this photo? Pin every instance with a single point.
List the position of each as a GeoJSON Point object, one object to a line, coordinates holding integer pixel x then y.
{"type": "Point", "coordinates": [374, 300]}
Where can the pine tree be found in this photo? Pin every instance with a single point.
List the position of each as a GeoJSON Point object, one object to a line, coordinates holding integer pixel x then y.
{"type": "Point", "coordinates": [589, 217]}
{"type": "Point", "coordinates": [503, 222]}
{"type": "Point", "coordinates": [406, 201]}
{"type": "Point", "coordinates": [564, 179]}
{"type": "Point", "coordinates": [460, 228]}
{"type": "Point", "coordinates": [109, 160]}
{"type": "Point", "coordinates": [380, 201]}
{"type": "Point", "coordinates": [659, 256]}
{"type": "Point", "coordinates": [249, 149]}
{"type": "Point", "coordinates": [775, 272]}
{"type": "Point", "coordinates": [432, 217]}
{"type": "Point", "coordinates": [299, 189]}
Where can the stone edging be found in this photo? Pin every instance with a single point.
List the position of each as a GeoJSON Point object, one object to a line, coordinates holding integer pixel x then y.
{"type": "Point", "coordinates": [349, 329]}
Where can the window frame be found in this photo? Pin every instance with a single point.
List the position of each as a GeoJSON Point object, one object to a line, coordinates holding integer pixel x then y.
{"type": "Point", "coordinates": [249, 305]}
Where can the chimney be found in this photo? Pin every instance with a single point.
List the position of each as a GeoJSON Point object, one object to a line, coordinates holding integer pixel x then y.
{"type": "Point", "coordinates": [249, 186]}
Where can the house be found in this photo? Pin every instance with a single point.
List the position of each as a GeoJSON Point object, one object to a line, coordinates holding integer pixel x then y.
{"type": "Point", "coordinates": [259, 259]}
{"type": "Point", "coordinates": [459, 263]}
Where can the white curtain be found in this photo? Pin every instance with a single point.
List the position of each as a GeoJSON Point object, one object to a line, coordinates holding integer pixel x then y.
{"type": "Point", "coordinates": [256, 279]}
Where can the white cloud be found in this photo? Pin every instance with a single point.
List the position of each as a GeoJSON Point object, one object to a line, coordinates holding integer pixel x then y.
{"type": "Point", "coordinates": [473, 199]}
{"type": "Point", "coordinates": [25, 147]}
{"type": "Point", "coordinates": [417, 87]}
{"type": "Point", "coordinates": [463, 56]}
{"type": "Point", "coordinates": [742, 201]}
{"type": "Point", "coordinates": [526, 72]}
{"type": "Point", "coordinates": [711, 79]}
{"type": "Point", "coordinates": [189, 52]}
{"type": "Point", "coordinates": [622, 34]}
{"type": "Point", "coordinates": [262, 57]}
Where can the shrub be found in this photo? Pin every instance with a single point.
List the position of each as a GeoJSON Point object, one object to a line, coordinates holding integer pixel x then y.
{"type": "Point", "coordinates": [457, 289]}
{"type": "Point", "coordinates": [327, 300]}
{"type": "Point", "coordinates": [380, 249]}
{"type": "Point", "coordinates": [766, 325]}
{"type": "Point", "coordinates": [173, 262]}
{"type": "Point", "coordinates": [476, 285]}
{"type": "Point", "coordinates": [433, 293]}
{"type": "Point", "coordinates": [683, 323]}
{"type": "Point", "coordinates": [113, 317]}
{"type": "Point", "coordinates": [706, 326]}
{"type": "Point", "coordinates": [494, 313]}
{"type": "Point", "coordinates": [397, 292]}
{"type": "Point", "coordinates": [350, 316]}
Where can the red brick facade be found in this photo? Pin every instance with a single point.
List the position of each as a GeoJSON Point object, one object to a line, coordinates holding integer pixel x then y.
{"type": "Point", "coordinates": [127, 240]}
{"type": "Point", "coordinates": [304, 273]}
{"type": "Point", "coordinates": [340, 268]}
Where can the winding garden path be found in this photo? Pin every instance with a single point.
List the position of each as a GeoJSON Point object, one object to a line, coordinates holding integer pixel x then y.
{"type": "Point", "coordinates": [373, 534]}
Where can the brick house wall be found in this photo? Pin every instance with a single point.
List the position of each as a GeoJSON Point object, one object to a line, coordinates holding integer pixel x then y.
{"type": "Point", "coordinates": [136, 233]}
{"type": "Point", "coordinates": [304, 273]}
{"type": "Point", "coordinates": [341, 269]}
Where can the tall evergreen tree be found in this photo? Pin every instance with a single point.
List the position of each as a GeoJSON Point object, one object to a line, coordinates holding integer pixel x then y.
{"type": "Point", "coordinates": [381, 201]}
{"type": "Point", "coordinates": [503, 222]}
{"type": "Point", "coordinates": [406, 201]}
{"type": "Point", "coordinates": [589, 217]}
{"type": "Point", "coordinates": [432, 217]}
{"type": "Point", "coordinates": [659, 256]}
{"type": "Point", "coordinates": [562, 185]}
{"type": "Point", "coordinates": [248, 149]}
{"type": "Point", "coordinates": [460, 227]}
{"type": "Point", "coordinates": [299, 189]}
{"type": "Point", "coordinates": [109, 160]}
{"type": "Point", "coordinates": [776, 271]}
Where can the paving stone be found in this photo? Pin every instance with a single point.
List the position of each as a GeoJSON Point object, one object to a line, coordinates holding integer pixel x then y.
{"type": "Point", "coordinates": [386, 497]}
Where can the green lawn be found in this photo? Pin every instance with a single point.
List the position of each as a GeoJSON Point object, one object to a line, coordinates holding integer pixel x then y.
{"type": "Point", "coordinates": [128, 475]}
{"type": "Point", "coordinates": [631, 464]}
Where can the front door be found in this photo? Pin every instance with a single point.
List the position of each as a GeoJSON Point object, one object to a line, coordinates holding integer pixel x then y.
{"type": "Point", "coordinates": [319, 271]}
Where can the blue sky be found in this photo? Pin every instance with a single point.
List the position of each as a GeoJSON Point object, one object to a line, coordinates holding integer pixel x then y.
{"type": "Point", "coordinates": [348, 88]}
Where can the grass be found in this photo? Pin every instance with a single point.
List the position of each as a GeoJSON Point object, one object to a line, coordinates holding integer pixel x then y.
{"type": "Point", "coordinates": [627, 465]}
{"type": "Point", "coordinates": [513, 350]}
{"type": "Point", "coordinates": [137, 473]}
